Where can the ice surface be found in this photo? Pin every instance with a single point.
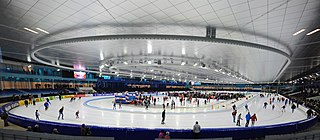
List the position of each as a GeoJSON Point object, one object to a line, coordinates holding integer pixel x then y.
{"type": "Point", "coordinates": [98, 111]}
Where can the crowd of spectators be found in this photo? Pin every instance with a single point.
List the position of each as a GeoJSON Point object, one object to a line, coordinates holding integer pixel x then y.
{"type": "Point", "coordinates": [213, 95]}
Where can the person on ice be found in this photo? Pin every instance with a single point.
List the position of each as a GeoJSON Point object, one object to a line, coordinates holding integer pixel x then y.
{"type": "Point", "coordinates": [26, 103]}
{"type": "Point", "coordinates": [265, 105]}
{"type": "Point", "coordinates": [163, 116]}
{"type": "Point", "coordinates": [77, 114]}
{"type": "Point", "coordinates": [293, 107]}
{"type": "Point", "coordinates": [114, 105]}
{"type": "Point", "coordinates": [273, 107]}
{"type": "Point", "coordinates": [37, 114]}
{"type": "Point", "coordinates": [46, 106]}
{"type": "Point", "coordinates": [283, 108]}
{"type": "Point", "coordinates": [234, 107]}
{"type": "Point", "coordinates": [238, 119]}
{"type": "Point", "coordinates": [234, 113]}
{"type": "Point", "coordinates": [246, 107]}
{"type": "Point", "coordinates": [61, 113]}
{"type": "Point", "coordinates": [309, 113]}
{"type": "Point", "coordinates": [253, 119]}
{"type": "Point", "coordinates": [248, 118]}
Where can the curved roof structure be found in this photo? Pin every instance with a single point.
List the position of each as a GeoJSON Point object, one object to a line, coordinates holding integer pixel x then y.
{"type": "Point", "coordinates": [223, 41]}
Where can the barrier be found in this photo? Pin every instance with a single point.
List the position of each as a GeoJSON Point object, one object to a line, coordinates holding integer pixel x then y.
{"type": "Point", "coordinates": [147, 134]}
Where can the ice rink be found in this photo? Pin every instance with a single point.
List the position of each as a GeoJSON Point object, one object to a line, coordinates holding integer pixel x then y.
{"type": "Point", "coordinates": [98, 111]}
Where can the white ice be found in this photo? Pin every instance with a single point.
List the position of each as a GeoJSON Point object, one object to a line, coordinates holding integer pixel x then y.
{"type": "Point", "coordinates": [101, 114]}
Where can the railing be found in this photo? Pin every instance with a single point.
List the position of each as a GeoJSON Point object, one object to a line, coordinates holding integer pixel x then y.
{"type": "Point", "coordinates": [27, 135]}
{"type": "Point", "coordinates": [312, 135]}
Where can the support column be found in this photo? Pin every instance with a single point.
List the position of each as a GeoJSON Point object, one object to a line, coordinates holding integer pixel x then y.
{"type": "Point", "coordinates": [13, 83]}
{"type": "Point", "coordinates": [29, 83]}
{"type": "Point", "coordinates": [52, 84]}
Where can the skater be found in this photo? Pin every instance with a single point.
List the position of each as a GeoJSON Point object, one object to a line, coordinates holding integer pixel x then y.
{"type": "Point", "coordinates": [163, 106]}
{"type": "Point", "coordinates": [286, 102]}
{"type": "Point", "coordinates": [34, 101]}
{"type": "Point", "coordinates": [198, 103]}
{"type": "Point", "coordinates": [265, 105]}
{"type": "Point", "coordinates": [273, 107]}
{"type": "Point", "coordinates": [309, 113]}
{"type": "Point", "coordinates": [77, 114]}
{"type": "Point", "coordinates": [48, 100]}
{"type": "Point", "coordinates": [46, 106]}
{"type": "Point", "coordinates": [114, 105]}
{"type": "Point", "coordinates": [163, 116]}
{"type": "Point", "coordinates": [293, 107]}
{"type": "Point", "coordinates": [120, 105]}
{"type": "Point", "coordinates": [205, 102]}
{"type": "Point", "coordinates": [37, 114]}
{"type": "Point", "coordinates": [238, 119]}
{"type": "Point", "coordinates": [61, 113]}
{"type": "Point", "coordinates": [283, 108]}
{"type": "Point", "coordinates": [174, 105]}
{"type": "Point", "coordinates": [246, 107]}
{"type": "Point", "coordinates": [26, 103]}
{"type": "Point", "coordinates": [234, 113]}
{"type": "Point", "coordinates": [147, 105]}
{"type": "Point", "coordinates": [234, 107]}
{"type": "Point", "coordinates": [253, 119]}
{"type": "Point", "coordinates": [196, 130]}
{"type": "Point", "coordinates": [60, 97]}
{"type": "Point", "coordinates": [154, 101]}
{"type": "Point", "coordinates": [248, 118]}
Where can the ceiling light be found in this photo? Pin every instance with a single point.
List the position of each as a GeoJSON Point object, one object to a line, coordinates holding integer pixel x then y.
{"type": "Point", "coordinates": [216, 70]}
{"type": "Point", "coordinates": [149, 62]}
{"type": "Point", "coordinates": [28, 58]}
{"type": "Point", "coordinates": [314, 31]}
{"type": "Point", "coordinates": [183, 51]}
{"type": "Point", "coordinates": [126, 63]}
{"type": "Point", "coordinates": [31, 30]}
{"type": "Point", "coordinates": [44, 31]}
{"type": "Point", "coordinates": [58, 69]}
{"type": "Point", "coordinates": [300, 31]}
{"type": "Point", "coordinates": [183, 63]}
{"type": "Point", "coordinates": [223, 72]}
{"type": "Point", "coordinates": [101, 55]}
{"type": "Point", "coordinates": [195, 64]}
